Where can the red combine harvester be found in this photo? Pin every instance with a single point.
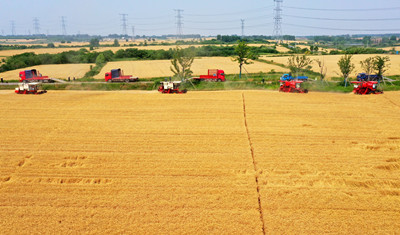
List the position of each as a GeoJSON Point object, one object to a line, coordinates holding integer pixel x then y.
{"type": "Point", "coordinates": [292, 86]}
{"type": "Point", "coordinates": [171, 88]}
{"type": "Point", "coordinates": [29, 88]}
{"type": "Point", "coordinates": [33, 76]}
{"type": "Point", "coordinates": [215, 75]}
{"type": "Point", "coordinates": [366, 87]}
{"type": "Point", "coordinates": [117, 75]}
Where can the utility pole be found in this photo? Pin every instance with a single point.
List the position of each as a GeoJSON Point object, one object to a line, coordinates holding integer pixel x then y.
{"type": "Point", "coordinates": [278, 20]}
{"type": "Point", "coordinates": [12, 28]}
{"type": "Point", "coordinates": [242, 20]}
{"type": "Point", "coordinates": [63, 26]}
{"type": "Point", "coordinates": [36, 26]}
{"type": "Point", "coordinates": [124, 23]}
{"type": "Point", "coordinates": [179, 22]}
{"type": "Point", "coordinates": [133, 33]}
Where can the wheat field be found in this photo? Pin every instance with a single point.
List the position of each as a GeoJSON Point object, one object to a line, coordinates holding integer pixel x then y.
{"type": "Point", "coordinates": [61, 71]}
{"type": "Point", "coordinates": [6, 53]}
{"type": "Point", "coordinates": [161, 68]}
{"type": "Point", "coordinates": [237, 162]}
{"type": "Point", "coordinates": [332, 60]}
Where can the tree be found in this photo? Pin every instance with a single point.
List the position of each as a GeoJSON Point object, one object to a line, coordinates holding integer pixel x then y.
{"type": "Point", "coordinates": [366, 40]}
{"type": "Point", "coordinates": [297, 63]}
{"type": "Point", "coordinates": [242, 55]}
{"type": "Point", "coordinates": [346, 67]}
{"type": "Point", "coordinates": [181, 62]}
{"type": "Point", "coordinates": [116, 43]}
{"type": "Point", "coordinates": [322, 68]}
{"type": "Point", "coordinates": [51, 45]}
{"type": "Point", "coordinates": [367, 65]}
{"type": "Point", "coordinates": [94, 42]}
{"type": "Point", "coordinates": [380, 65]}
{"type": "Point", "coordinates": [100, 59]}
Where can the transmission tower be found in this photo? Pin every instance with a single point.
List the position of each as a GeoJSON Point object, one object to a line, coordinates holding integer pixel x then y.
{"type": "Point", "coordinates": [278, 20]}
{"type": "Point", "coordinates": [179, 22]}
{"type": "Point", "coordinates": [36, 26]}
{"type": "Point", "coordinates": [133, 33]}
{"type": "Point", "coordinates": [63, 25]}
{"type": "Point", "coordinates": [242, 20]}
{"type": "Point", "coordinates": [124, 24]}
{"type": "Point", "coordinates": [12, 28]}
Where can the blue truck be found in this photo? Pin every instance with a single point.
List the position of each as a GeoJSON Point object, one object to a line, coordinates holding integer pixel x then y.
{"type": "Point", "coordinates": [367, 77]}
{"type": "Point", "coordinates": [288, 77]}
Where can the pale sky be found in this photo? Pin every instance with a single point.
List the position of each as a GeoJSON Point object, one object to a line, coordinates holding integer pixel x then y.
{"type": "Point", "coordinates": [205, 17]}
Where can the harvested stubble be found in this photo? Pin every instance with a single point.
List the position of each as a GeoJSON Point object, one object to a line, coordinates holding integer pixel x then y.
{"type": "Point", "coordinates": [62, 71]}
{"type": "Point", "coordinates": [143, 162]}
{"type": "Point", "coordinates": [161, 68]}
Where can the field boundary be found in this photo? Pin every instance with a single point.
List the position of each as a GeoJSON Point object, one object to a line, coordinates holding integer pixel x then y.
{"type": "Point", "coordinates": [254, 165]}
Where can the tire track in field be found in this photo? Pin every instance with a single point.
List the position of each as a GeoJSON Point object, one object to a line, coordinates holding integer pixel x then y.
{"type": "Point", "coordinates": [254, 164]}
{"type": "Point", "coordinates": [391, 101]}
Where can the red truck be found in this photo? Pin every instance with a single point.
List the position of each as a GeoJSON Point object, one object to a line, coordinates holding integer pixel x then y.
{"type": "Point", "coordinates": [117, 75]}
{"type": "Point", "coordinates": [215, 75]}
{"type": "Point", "coordinates": [33, 76]}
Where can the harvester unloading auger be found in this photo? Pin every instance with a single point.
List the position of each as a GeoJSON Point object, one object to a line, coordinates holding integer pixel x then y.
{"type": "Point", "coordinates": [171, 87]}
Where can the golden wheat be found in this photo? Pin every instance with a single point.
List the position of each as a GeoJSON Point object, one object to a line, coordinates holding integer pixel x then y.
{"type": "Point", "coordinates": [143, 162]}
{"type": "Point", "coordinates": [62, 71]}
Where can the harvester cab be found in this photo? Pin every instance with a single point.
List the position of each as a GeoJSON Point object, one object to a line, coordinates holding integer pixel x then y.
{"type": "Point", "coordinates": [366, 87]}
{"type": "Point", "coordinates": [171, 87]}
{"type": "Point", "coordinates": [292, 86]}
{"type": "Point", "coordinates": [29, 88]}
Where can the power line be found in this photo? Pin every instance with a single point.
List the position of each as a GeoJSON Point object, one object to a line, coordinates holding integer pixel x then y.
{"type": "Point", "coordinates": [234, 13]}
{"type": "Point", "coordinates": [133, 33]}
{"type": "Point", "coordinates": [317, 18]}
{"type": "Point", "coordinates": [278, 19]}
{"type": "Point", "coordinates": [242, 20]}
{"type": "Point", "coordinates": [12, 28]}
{"type": "Point", "coordinates": [179, 22]}
{"type": "Point", "coordinates": [36, 26]}
{"type": "Point", "coordinates": [358, 9]}
{"type": "Point", "coordinates": [326, 28]}
{"type": "Point", "coordinates": [124, 24]}
{"type": "Point", "coordinates": [64, 28]}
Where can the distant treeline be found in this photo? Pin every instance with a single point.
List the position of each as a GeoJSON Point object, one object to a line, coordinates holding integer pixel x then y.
{"type": "Point", "coordinates": [85, 56]}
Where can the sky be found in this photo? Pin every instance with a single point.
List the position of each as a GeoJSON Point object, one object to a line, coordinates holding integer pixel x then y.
{"type": "Point", "coordinates": [205, 17]}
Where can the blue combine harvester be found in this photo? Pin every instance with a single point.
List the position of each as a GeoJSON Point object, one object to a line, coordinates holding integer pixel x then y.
{"type": "Point", "coordinates": [288, 77]}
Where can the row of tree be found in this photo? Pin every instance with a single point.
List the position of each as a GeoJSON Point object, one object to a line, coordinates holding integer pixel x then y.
{"type": "Point", "coordinates": [377, 65]}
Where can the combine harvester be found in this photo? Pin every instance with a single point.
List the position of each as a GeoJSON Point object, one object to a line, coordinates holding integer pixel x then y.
{"type": "Point", "coordinates": [29, 88]}
{"type": "Point", "coordinates": [117, 75]}
{"type": "Point", "coordinates": [33, 76]}
{"type": "Point", "coordinates": [366, 87]}
{"type": "Point", "coordinates": [214, 75]}
{"type": "Point", "coordinates": [171, 88]}
{"type": "Point", "coordinates": [292, 84]}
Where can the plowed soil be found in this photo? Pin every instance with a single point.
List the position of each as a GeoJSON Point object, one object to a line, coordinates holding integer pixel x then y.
{"type": "Point", "coordinates": [233, 162]}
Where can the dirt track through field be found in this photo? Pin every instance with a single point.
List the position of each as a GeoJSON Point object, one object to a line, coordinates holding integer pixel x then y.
{"type": "Point", "coordinates": [254, 165]}
{"type": "Point", "coordinates": [228, 162]}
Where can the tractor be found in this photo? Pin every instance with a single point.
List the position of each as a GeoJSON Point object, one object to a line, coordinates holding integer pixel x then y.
{"type": "Point", "coordinates": [366, 87]}
{"type": "Point", "coordinates": [292, 86]}
{"type": "Point", "coordinates": [29, 88]}
{"type": "Point", "coordinates": [171, 87]}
